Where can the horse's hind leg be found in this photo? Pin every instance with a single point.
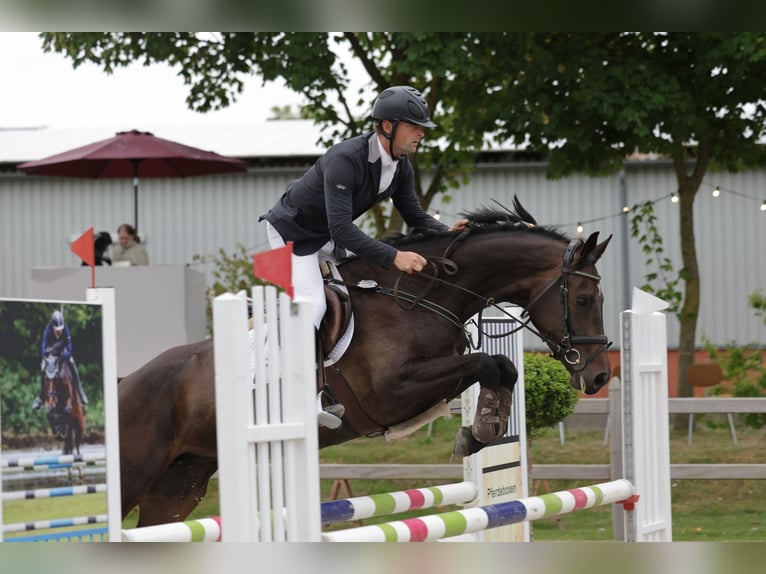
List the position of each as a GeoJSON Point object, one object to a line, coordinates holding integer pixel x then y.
{"type": "Point", "coordinates": [176, 492]}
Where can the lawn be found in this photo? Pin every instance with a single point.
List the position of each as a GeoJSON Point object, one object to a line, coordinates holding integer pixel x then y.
{"type": "Point", "coordinates": [703, 510]}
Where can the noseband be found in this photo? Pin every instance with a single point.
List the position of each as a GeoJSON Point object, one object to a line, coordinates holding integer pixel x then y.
{"type": "Point", "coordinates": [565, 350]}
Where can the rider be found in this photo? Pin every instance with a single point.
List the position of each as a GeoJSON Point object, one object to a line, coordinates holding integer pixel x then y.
{"type": "Point", "coordinates": [57, 340]}
{"type": "Point", "coordinates": [317, 211]}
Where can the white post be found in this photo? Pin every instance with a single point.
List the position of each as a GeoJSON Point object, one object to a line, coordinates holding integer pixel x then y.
{"type": "Point", "coordinates": [500, 471]}
{"type": "Point", "coordinates": [105, 298]}
{"type": "Point", "coordinates": [232, 395]}
{"type": "Point", "coordinates": [268, 454]}
{"type": "Point", "coordinates": [646, 448]}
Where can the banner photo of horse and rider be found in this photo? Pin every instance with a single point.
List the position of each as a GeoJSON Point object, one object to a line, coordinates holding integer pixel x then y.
{"type": "Point", "coordinates": [52, 420]}
{"type": "Point", "coordinates": [51, 376]}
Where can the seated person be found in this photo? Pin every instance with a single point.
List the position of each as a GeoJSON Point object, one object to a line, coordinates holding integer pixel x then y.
{"type": "Point", "coordinates": [129, 251]}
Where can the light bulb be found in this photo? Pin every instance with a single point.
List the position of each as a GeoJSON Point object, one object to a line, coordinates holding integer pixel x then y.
{"type": "Point", "coordinates": [716, 191]}
{"type": "Point", "coordinates": [763, 205]}
{"type": "Point", "coordinates": [579, 227]}
{"type": "Point", "coordinates": [437, 215]}
{"type": "Point", "coordinates": [626, 209]}
{"type": "Point", "coordinates": [674, 197]}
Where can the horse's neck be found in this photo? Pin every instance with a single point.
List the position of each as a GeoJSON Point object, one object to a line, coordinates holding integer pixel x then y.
{"type": "Point", "coordinates": [505, 269]}
{"type": "Point", "coordinates": [483, 269]}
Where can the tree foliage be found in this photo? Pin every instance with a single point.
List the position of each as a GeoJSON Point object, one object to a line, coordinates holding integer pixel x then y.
{"type": "Point", "coordinates": [592, 100]}
{"type": "Point", "coordinates": [586, 100]}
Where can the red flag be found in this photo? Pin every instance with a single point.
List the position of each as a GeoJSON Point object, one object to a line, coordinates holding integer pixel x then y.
{"type": "Point", "coordinates": [276, 266]}
{"type": "Point", "coordinates": [84, 247]}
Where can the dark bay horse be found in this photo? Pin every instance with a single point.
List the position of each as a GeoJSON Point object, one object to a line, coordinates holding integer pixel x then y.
{"type": "Point", "coordinates": [62, 404]}
{"type": "Point", "coordinates": [407, 354]}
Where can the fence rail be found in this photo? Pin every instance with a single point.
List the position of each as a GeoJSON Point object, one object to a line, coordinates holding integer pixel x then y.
{"type": "Point", "coordinates": [711, 405]}
{"type": "Point", "coordinates": [685, 406]}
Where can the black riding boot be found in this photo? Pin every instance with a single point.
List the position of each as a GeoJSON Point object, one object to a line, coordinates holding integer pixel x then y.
{"type": "Point", "coordinates": [38, 402]}
{"type": "Point", "coordinates": [328, 415]}
{"type": "Point", "coordinates": [76, 381]}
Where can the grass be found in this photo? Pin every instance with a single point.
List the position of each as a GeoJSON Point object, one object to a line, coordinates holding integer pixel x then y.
{"type": "Point", "coordinates": [703, 510]}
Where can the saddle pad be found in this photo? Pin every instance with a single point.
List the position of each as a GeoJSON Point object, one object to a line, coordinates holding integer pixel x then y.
{"type": "Point", "coordinates": [345, 339]}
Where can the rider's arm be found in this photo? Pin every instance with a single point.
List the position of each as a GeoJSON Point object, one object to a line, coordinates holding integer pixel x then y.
{"type": "Point", "coordinates": [340, 185]}
{"type": "Point", "coordinates": [407, 203]}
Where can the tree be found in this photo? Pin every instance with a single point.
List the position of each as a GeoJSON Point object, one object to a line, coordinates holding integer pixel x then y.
{"type": "Point", "coordinates": [593, 99]}
{"type": "Point", "coordinates": [586, 100]}
{"type": "Point", "coordinates": [442, 65]}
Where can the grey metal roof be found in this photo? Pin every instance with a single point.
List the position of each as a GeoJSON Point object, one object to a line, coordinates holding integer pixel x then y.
{"type": "Point", "coordinates": [278, 138]}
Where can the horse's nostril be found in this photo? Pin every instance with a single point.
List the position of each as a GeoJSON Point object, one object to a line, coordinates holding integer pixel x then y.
{"type": "Point", "coordinates": [602, 379]}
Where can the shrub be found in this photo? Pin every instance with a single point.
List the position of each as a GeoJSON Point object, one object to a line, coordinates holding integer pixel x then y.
{"type": "Point", "coordinates": [549, 396]}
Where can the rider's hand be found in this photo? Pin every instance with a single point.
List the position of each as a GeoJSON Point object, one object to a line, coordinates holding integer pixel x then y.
{"type": "Point", "coordinates": [459, 225]}
{"type": "Point", "coordinates": [409, 261]}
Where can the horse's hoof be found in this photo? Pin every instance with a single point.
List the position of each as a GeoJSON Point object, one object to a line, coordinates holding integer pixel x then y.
{"type": "Point", "coordinates": [462, 444]}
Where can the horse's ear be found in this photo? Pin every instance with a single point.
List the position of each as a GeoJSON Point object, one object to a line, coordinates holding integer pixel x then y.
{"type": "Point", "coordinates": [592, 250]}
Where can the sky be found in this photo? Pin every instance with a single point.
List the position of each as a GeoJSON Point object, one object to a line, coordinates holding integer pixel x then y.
{"type": "Point", "coordinates": [43, 89]}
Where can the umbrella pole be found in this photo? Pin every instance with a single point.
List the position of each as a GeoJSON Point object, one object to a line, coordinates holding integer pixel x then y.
{"type": "Point", "coordinates": [135, 163]}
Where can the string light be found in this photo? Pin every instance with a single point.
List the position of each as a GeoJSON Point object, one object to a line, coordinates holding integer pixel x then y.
{"type": "Point", "coordinates": [437, 215]}
{"type": "Point", "coordinates": [717, 190]}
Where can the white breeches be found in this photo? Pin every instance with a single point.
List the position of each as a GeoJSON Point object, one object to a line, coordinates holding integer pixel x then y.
{"type": "Point", "coordinates": [307, 276]}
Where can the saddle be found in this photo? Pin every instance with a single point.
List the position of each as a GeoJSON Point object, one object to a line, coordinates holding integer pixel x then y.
{"type": "Point", "coordinates": [336, 319]}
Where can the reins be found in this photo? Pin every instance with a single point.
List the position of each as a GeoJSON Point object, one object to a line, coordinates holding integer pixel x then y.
{"type": "Point", "coordinates": [564, 350]}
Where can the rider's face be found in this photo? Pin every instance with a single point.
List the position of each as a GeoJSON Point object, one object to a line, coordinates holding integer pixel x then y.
{"type": "Point", "coordinates": [407, 137]}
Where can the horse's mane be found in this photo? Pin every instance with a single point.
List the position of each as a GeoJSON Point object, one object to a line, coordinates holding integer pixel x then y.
{"type": "Point", "coordinates": [485, 219]}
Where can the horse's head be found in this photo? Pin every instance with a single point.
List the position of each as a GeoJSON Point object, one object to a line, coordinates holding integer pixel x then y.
{"type": "Point", "coordinates": [568, 313]}
{"type": "Point", "coordinates": [56, 383]}
{"type": "Point", "coordinates": [50, 366]}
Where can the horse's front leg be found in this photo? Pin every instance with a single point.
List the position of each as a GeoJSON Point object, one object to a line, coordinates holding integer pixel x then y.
{"type": "Point", "coordinates": [449, 377]}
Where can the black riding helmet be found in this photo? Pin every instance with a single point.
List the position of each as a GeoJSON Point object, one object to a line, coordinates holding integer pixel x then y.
{"type": "Point", "coordinates": [400, 104]}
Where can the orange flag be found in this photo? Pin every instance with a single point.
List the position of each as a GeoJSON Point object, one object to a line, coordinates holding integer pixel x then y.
{"type": "Point", "coordinates": [84, 247]}
{"type": "Point", "coordinates": [276, 266]}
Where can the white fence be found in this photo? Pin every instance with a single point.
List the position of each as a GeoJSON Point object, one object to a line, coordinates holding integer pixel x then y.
{"type": "Point", "coordinates": [274, 461]}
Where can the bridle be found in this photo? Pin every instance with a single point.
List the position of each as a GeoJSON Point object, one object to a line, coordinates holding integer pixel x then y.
{"type": "Point", "coordinates": [565, 350]}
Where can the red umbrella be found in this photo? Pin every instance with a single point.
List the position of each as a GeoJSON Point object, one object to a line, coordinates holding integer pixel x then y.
{"type": "Point", "coordinates": [133, 154]}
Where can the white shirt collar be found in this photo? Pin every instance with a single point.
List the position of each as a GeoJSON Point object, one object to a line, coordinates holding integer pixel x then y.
{"type": "Point", "coordinates": [387, 165]}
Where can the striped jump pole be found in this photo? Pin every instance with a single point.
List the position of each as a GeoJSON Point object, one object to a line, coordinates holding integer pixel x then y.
{"type": "Point", "coordinates": [466, 521]}
{"type": "Point", "coordinates": [55, 523]}
{"type": "Point", "coordinates": [64, 460]}
{"type": "Point", "coordinates": [357, 508]}
{"type": "Point", "coordinates": [394, 502]}
{"type": "Point", "coordinates": [201, 530]}
{"type": "Point", "coordinates": [54, 492]}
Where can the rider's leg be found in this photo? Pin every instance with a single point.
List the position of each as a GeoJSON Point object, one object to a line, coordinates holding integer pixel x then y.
{"type": "Point", "coordinates": [76, 381]}
{"type": "Point", "coordinates": [39, 398]}
{"type": "Point", "coordinates": [308, 285]}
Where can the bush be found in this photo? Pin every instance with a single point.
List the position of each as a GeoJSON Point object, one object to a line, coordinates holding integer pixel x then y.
{"type": "Point", "coordinates": [232, 272]}
{"type": "Point", "coordinates": [549, 396]}
{"type": "Point", "coordinates": [743, 368]}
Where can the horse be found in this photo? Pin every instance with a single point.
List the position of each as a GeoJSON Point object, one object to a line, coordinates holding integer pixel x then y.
{"type": "Point", "coordinates": [406, 357]}
{"type": "Point", "coordinates": [63, 409]}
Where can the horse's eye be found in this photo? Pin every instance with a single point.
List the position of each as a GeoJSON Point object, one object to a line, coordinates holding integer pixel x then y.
{"type": "Point", "coordinates": [582, 301]}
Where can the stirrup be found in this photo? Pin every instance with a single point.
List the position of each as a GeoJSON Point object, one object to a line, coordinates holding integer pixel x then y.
{"type": "Point", "coordinates": [329, 416]}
